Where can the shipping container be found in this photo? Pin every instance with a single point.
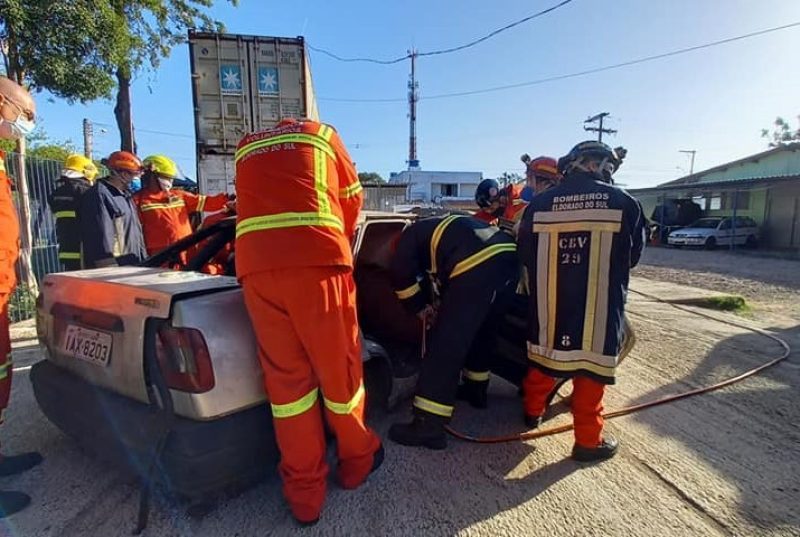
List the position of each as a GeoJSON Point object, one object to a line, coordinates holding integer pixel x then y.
{"type": "Point", "coordinates": [242, 84]}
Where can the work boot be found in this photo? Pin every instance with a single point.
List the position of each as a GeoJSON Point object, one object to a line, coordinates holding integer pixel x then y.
{"type": "Point", "coordinates": [16, 464]}
{"type": "Point", "coordinates": [426, 430]}
{"type": "Point", "coordinates": [474, 392]}
{"type": "Point", "coordinates": [532, 422]}
{"type": "Point", "coordinates": [12, 502]}
{"type": "Point", "coordinates": [605, 450]}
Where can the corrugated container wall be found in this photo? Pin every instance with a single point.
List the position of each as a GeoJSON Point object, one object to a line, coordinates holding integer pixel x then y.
{"type": "Point", "coordinates": [242, 84]}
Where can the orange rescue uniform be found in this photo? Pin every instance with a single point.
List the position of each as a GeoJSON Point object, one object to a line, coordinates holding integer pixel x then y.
{"type": "Point", "coordinates": [298, 199]}
{"type": "Point", "coordinates": [165, 215]}
{"type": "Point", "coordinates": [9, 251]}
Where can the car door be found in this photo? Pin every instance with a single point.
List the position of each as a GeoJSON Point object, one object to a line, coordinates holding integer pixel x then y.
{"type": "Point", "coordinates": [724, 232]}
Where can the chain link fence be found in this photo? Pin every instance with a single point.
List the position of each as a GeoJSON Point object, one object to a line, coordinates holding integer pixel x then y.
{"type": "Point", "coordinates": [41, 177]}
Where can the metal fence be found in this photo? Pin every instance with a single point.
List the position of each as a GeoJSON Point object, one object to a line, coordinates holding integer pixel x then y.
{"type": "Point", "coordinates": [384, 197]}
{"type": "Point", "coordinates": [41, 177]}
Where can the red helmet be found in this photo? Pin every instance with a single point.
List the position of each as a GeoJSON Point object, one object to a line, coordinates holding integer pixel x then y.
{"type": "Point", "coordinates": [545, 168]}
{"type": "Point", "coordinates": [123, 161]}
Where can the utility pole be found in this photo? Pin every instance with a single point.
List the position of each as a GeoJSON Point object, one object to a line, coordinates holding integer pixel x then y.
{"type": "Point", "coordinates": [413, 97]}
{"type": "Point", "coordinates": [691, 152]}
{"type": "Point", "coordinates": [88, 138]}
{"type": "Point", "coordinates": [599, 129]}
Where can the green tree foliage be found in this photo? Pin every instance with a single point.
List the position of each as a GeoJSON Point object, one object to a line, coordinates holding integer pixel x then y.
{"type": "Point", "coordinates": [64, 47]}
{"type": "Point", "coordinates": [781, 133]}
{"type": "Point", "coordinates": [371, 178]}
{"type": "Point", "coordinates": [151, 29]}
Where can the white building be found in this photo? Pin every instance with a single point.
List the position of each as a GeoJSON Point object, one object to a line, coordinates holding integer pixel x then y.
{"type": "Point", "coordinates": [438, 187]}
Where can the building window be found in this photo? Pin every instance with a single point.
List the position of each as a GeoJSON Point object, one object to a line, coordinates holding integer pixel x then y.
{"type": "Point", "coordinates": [449, 191]}
{"type": "Point", "coordinates": [715, 203]}
{"type": "Point", "coordinates": [701, 201]}
{"type": "Point", "coordinates": [742, 201]}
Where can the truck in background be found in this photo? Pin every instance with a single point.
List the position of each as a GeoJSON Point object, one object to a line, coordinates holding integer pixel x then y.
{"type": "Point", "coordinates": [241, 84]}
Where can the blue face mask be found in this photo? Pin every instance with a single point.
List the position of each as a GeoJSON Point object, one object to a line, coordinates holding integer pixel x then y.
{"type": "Point", "coordinates": [136, 185]}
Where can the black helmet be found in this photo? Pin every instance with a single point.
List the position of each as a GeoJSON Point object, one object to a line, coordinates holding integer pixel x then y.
{"type": "Point", "coordinates": [594, 150]}
{"type": "Point", "coordinates": [488, 191]}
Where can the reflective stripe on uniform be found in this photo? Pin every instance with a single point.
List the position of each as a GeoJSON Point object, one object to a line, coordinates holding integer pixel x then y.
{"type": "Point", "coordinates": [476, 259]}
{"type": "Point", "coordinates": [408, 292]}
{"type": "Point", "coordinates": [348, 407]}
{"type": "Point", "coordinates": [297, 407]}
{"type": "Point", "coordinates": [324, 216]}
{"type": "Point", "coordinates": [69, 256]}
{"type": "Point", "coordinates": [437, 236]}
{"type": "Point", "coordinates": [284, 220]}
{"type": "Point", "coordinates": [65, 214]}
{"type": "Point", "coordinates": [317, 141]}
{"type": "Point", "coordinates": [352, 190]}
{"type": "Point", "coordinates": [2, 164]}
{"type": "Point", "coordinates": [476, 376]}
{"type": "Point", "coordinates": [144, 207]}
{"type": "Point", "coordinates": [433, 407]}
{"type": "Point", "coordinates": [201, 203]}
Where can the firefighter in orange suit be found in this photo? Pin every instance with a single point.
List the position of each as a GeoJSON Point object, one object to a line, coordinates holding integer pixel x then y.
{"type": "Point", "coordinates": [17, 113]}
{"type": "Point", "coordinates": [163, 212]}
{"type": "Point", "coordinates": [298, 198]}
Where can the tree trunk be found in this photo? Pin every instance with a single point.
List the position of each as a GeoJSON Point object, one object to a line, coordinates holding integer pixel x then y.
{"type": "Point", "coordinates": [27, 277]}
{"type": "Point", "coordinates": [122, 112]}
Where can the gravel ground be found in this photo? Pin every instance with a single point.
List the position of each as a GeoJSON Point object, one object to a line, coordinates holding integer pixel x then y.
{"type": "Point", "coordinates": [771, 285]}
{"type": "Point", "coordinates": [723, 464]}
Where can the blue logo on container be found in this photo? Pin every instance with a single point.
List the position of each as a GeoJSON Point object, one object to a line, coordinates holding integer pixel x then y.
{"type": "Point", "coordinates": [268, 83]}
{"type": "Point", "coordinates": [230, 78]}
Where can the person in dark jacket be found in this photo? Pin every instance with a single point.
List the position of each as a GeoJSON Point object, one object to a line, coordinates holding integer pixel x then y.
{"type": "Point", "coordinates": [110, 229]}
{"type": "Point", "coordinates": [76, 178]}
{"type": "Point", "coordinates": [578, 242]}
{"type": "Point", "coordinates": [473, 270]}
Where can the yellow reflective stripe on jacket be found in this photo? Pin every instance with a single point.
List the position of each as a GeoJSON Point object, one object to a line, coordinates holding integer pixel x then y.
{"type": "Point", "coordinates": [476, 259]}
{"type": "Point", "coordinates": [155, 206]}
{"type": "Point", "coordinates": [476, 376]}
{"type": "Point", "coordinates": [348, 407]}
{"type": "Point", "coordinates": [295, 408]}
{"type": "Point", "coordinates": [65, 214]}
{"type": "Point", "coordinates": [437, 236]}
{"type": "Point", "coordinates": [326, 131]}
{"type": "Point", "coordinates": [2, 164]}
{"type": "Point", "coordinates": [201, 203]}
{"type": "Point", "coordinates": [350, 191]}
{"type": "Point", "coordinates": [4, 367]}
{"type": "Point", "coordinates": [433, 407]}
{"type": "Point", "coordinates": [284, 220]}
{"type": "Point", "coordinates": [69, 256]}
{"type": "Point", "coordinates": [321, 182]}
{"type": "Point", "coordinates": [314, 140]}
{"type": "Point", "coordinates": [408, 292]}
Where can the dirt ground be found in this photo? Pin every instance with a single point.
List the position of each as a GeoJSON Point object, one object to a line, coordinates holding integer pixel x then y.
{"type": "Point", "coordinates": [722, 464]}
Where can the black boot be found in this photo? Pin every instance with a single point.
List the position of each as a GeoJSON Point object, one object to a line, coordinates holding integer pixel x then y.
{"type": "Point", "coordinates": [474, 392]}
{"type": "Point", "coordinates": [12, 502]}
{"type": "Point", "coordinates": [426, 430]}
{"type": "Point", "coordinates": [16, 464]}
{"type": "Point", "coordinates": [607, 449]}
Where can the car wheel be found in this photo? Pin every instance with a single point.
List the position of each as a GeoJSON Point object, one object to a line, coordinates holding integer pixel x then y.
{"type": "Point", "coordinates": [751, 242]}
{"type": "Point", "coordinates": [711, 243]}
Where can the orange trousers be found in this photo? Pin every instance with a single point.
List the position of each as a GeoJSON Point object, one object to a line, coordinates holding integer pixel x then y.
{"type": "Point", "coordinates": [587, 404]}
{"type": "Point", "coordinates": [5, 356]}
{"type": "Point", "coordinates": [307, 330]}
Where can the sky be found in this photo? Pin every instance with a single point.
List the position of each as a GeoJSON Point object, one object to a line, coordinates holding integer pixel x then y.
{"type": "Point", "coordinates": [714, 101]}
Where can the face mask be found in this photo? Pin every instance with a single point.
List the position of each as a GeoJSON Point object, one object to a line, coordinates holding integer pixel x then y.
{"type": "Point", "coordinates": [135, 185]}
{"type": "Point", "coordinates": [18, 128]}
{"type": "Point", "coordinates": [165, 184]}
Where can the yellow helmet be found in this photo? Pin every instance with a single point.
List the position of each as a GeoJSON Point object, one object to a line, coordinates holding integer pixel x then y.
{"type": "Point", "coordinates": [162, 166]}
{"type": "Point", "coordinates": [80, 165]}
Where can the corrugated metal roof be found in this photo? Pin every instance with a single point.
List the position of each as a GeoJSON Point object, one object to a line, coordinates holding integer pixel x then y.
{"type": "Point", "coordinates": [738, 183]}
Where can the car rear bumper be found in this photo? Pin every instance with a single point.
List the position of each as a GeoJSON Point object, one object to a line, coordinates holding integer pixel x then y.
{"type": "Point", "coordinates": [200, 460]}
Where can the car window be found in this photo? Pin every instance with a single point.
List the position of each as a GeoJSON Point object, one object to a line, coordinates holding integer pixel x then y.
{"type": "Point", "coordinates": [706, 223]}
{"type": "Point", "coordinates": [726, 224]}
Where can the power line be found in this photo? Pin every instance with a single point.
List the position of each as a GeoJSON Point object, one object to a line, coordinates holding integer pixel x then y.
{"type": "Point", "coordinates": [148, 131]}
{"type": "Point", "coordinates": [447, 50]}
{"type": "Point", "coordinates": [581, 73]}
{"type": "Point", "coordinates": [496, 32]}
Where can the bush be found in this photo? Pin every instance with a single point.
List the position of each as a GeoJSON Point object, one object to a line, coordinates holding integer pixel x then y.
{"type": "Point", "coordinates": [22, 305]}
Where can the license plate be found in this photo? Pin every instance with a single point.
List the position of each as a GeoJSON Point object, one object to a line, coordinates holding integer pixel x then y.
{"type": "Point", "coordinates": [89, 345]}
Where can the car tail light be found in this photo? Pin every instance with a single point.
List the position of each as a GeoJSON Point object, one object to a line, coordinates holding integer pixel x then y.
{"type": "Point", "coordinates": [184, 359]}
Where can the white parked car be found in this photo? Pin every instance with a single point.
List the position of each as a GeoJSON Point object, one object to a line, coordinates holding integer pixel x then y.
{"type": "Point", "coordinates": [711, 232]}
